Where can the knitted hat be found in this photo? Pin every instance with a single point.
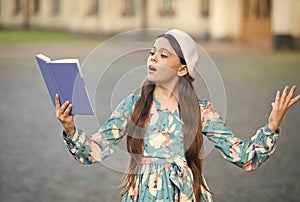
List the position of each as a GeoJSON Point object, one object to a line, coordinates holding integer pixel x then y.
{"type": "Point", "coordinates": [188, 47]}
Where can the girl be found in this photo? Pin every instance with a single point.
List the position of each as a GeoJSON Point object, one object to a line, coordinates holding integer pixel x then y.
{"type": "Point", "coordinates": [164, 127]}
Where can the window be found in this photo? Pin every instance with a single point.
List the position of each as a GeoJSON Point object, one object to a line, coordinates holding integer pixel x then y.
{"type": "Point", "coordinates": [93, 7]}
{"type": "Point", "coordinates": [263, 8]}
{"type": "Point", "coordinates": [167, 8]}
{"type": "Point", "coordinates": [257, 8]}
{"type": "Point", "coordinates": [128, 8]}
{"type": "Point", "coordinates": [247, 8]}
{"type": "Point", "coordinates": [56, 7]}
{"type": "Point", "coordinates": [36, 6]}
{"type": "Point", "coordinates": [205, 8]}
{"type": "Point", "coordinates": [268, 9]}
{"type": "Point", "coordinates": [17, 7]}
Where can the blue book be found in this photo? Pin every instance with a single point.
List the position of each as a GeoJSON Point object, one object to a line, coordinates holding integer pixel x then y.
{"type": "Point", "coordinates": [63, 77]}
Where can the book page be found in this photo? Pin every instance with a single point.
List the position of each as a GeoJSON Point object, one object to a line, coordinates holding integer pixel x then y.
{"type": "Point", "coordinates": [43, 57]}
{"type": "Point", "coordinates": [66, 61]}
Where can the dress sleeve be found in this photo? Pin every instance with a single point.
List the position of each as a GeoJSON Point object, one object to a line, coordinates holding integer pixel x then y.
{"type": "Point", "coordinates": [246, 155]}
{"type": "Point", "coordinates": [95, 148]}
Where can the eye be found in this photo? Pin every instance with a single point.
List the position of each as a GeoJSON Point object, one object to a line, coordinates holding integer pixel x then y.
{"type": "Point", "coordinates": [151, 53]}
{"type": "Point", "coordinates": [164, 56]}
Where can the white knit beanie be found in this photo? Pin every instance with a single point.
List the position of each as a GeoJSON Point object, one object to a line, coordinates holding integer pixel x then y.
{"type": "Point", "coordinates": [188, 47]}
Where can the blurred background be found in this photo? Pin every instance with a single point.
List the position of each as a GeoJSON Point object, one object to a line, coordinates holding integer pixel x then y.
{"type": "Point", "coordinates": [263, 23]}
{"type": "Point", "coordinates": [254, 44]}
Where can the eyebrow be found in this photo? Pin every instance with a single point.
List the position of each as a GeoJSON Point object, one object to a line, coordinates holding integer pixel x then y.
{"type": "Point", "coordinates": [163, 49]}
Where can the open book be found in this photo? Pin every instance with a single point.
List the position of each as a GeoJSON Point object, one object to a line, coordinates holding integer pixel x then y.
{"type": "Point", "coordinates": [63, 77]}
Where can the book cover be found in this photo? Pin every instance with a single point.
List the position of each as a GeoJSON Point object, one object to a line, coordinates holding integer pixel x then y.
{"type": "Point", "coordinates": [63, 77]}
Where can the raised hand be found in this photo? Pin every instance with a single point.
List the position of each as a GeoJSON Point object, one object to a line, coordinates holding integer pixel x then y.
{"type": "Point", "coordinates": [64, 116]}
{"type": "Point", "coordinates": [280, 106]}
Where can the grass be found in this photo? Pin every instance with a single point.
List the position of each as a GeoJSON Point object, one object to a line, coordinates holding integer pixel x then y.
{"type": "Point", "coordinates": [20, 36]}
{"type": "Point", "coordinates": [24, 36]}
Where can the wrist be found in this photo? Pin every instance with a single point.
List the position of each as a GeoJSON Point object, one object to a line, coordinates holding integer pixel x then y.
{"type": "Point", "coordinates": [69, 130]}
{"type": "Point", "coordinates": [273, 127]}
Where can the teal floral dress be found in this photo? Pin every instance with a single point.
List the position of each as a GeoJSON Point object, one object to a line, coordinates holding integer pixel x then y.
{"type": "Point", "coordinates": [164, 174]}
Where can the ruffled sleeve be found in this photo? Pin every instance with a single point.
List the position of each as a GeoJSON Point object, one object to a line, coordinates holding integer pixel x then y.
{"type": "Point", "coordinates": [95, 148]}
{"type": "Point", "coordinates": [246, 155]}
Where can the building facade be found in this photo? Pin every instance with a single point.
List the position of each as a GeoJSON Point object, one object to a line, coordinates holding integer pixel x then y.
{"type": "Point", "coordinates": [250, 21]}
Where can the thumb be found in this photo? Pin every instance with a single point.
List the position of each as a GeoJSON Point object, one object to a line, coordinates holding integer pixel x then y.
{"type": "Point", "coordinates": [272, 104]}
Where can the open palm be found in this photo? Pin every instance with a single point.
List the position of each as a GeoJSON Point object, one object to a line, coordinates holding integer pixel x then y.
{"type": "Point", "coordinates": [280, 106]}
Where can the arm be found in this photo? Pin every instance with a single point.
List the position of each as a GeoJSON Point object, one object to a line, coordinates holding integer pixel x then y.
{"type": "Point", "coordinates": [95, 148]}
{"type": "Point", "coordinates": [247, 155]}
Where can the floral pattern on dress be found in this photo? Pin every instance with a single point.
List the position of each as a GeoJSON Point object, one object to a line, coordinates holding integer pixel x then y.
{"type": "Point", "coordinates": [163, 173]}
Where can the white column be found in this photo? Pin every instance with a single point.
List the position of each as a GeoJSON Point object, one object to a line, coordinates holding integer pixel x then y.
{"type": "Point", "coordinates": [282, 17]}
{"type": "Point", "coordinates": [225, 18]}
{"type": "Point", "coordinates": [285, 24]}
{"type": "Point", "coordinates": [217, 18]}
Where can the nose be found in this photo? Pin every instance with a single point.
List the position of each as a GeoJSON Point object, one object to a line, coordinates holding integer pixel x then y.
{"type": "Point", "coordinates": [153, 58]}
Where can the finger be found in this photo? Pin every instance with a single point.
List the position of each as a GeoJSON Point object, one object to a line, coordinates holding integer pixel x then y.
{"type": "Point", "coordinates": [64, 106]}
{"type": "Point", "coordinates": [290, 95]}
{"type": "Point", "coordinates": [63, 112]}
{"type": "Point", "coordinates": [277, 98]}
{"type": "Point", "coordinates": [68, 110]}
{"type": "Point", "coordinates": [284, 93]}
{"type": "Point", "coordinates": [294, 100]}
{"type": "Point", "coordinates": [57, 102]}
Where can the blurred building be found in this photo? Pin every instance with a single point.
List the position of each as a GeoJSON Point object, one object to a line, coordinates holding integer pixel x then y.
{"type": "Point", "coordinates": [259, 22]}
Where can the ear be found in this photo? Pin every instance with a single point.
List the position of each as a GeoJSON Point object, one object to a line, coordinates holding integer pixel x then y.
{"type": "Point", "coordinates": [182, 70]}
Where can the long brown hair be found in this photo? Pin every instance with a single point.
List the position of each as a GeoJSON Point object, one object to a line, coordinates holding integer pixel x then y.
{"type": "Point", "coordinates": [192, 128]}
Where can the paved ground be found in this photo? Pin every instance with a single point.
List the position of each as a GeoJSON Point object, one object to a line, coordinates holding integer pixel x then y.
{"type": "Point", "coordinates": [35, 165]}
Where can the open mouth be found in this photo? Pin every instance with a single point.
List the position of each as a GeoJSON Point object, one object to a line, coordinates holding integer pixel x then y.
{"type": "Point", "coordinates": [151, 68]}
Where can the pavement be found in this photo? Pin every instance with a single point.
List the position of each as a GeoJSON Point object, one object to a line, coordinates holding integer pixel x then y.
{"type": "Point", "coordinates": [36, 166]}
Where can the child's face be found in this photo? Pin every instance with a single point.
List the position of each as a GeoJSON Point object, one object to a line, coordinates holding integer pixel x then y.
{"type": "Point", "coordinates": [163, 64]}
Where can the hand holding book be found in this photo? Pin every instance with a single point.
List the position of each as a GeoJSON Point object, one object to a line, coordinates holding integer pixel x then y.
{"type": "Point", "coordinates": [63, 77]}
{"type": "Point", "coordinates": [64, 116]}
